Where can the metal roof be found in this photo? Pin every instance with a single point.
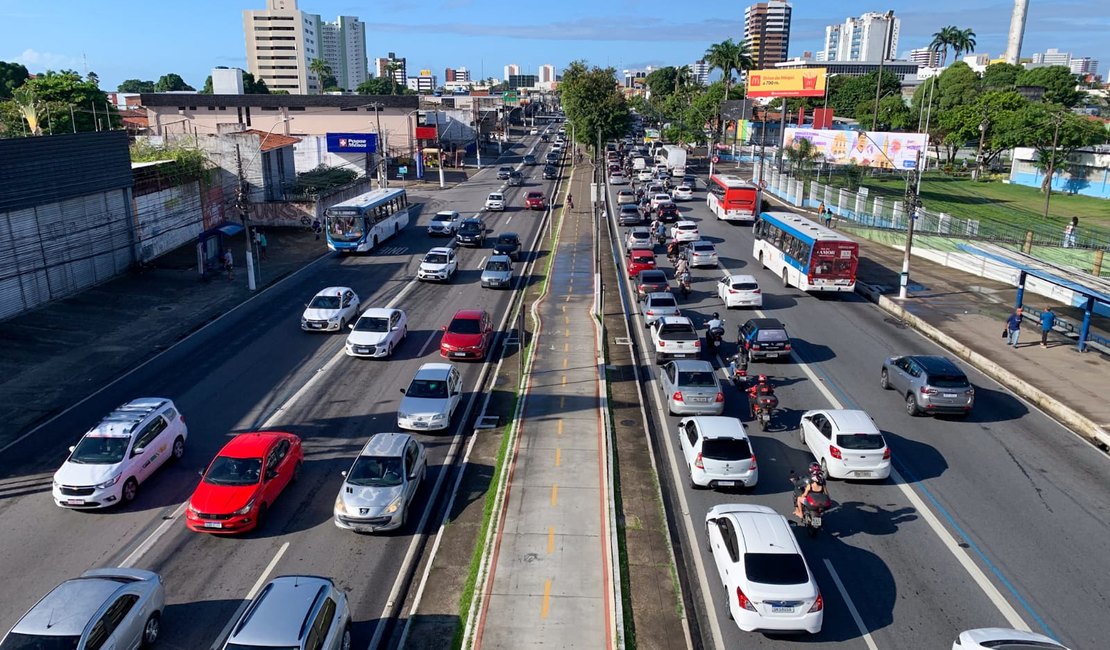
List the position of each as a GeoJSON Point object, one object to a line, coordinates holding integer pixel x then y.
{"type": "Point", "coordinates": [1072, 278]}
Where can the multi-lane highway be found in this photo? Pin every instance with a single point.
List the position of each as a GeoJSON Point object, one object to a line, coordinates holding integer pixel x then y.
{"type": "Point", "coordinates": [996, 520]}
{"type": "Point", "coordinates": [254, 368]}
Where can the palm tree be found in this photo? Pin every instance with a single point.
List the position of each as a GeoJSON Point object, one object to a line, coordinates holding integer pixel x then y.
{"type": "Point", "coordinates": [728, 56]}
{"type": "Point", "coordinates": [963, 42]}
{"type": "Point", "coordinates": [943, 40]}
{"type": "Point", "coordinates": [391, 69]}
{"type": "Point", "coordinates": [321, 69]}
{"type": "Point", "coordinates": [683, 78]}
{"type": "Point", "coordinates": [27, 104]}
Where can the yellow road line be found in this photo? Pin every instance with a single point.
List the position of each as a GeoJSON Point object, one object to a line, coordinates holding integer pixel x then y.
{"type": "Point", "coordinates": [546, 599]}
{"type": "Point", "coordinates": [551, 539]}
{"type": "Point", "coordinates": [564, 380]}
{"type": "Point", "coordinates": [566, 347]}
{"type": "Point", "coordinates": [565, 363]}
{"type": "Point", "coordinates": [559, 425]}
{"type": "Point", "coordinates": [554, 494]}
{"type": "Point", "coordinates": [562, 405]}
{"type": "Point", "coordinates": [558, 457]}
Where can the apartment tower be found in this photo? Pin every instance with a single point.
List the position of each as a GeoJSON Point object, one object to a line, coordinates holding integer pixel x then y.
{"type": "Point", "coordinates": [281, 43]}
{"type": "Point", "coordinates": [343, 47]}
{"type": "Point", "coordinates": [400, 72]}
{"type": "Point", "coordinates": [767, 32]}
{"type": "Point", "coordinates": [862, 39]}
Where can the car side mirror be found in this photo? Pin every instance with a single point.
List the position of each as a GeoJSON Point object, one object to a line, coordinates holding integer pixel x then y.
{"type": "Point", "coordinates": [343, 473]}
{"type": "Point", "coordinates": [138, 451]}
{"type": "Point", "coordinates": [72, 447]}
{"type": "Point", "coordinates": [443, 328]}
{"type": "Point", "coordinates": [402, 391]}
{"type": "Point", "coordinates": [392, 329]}
{"type": "Point", "coordinates": [350, 326]}
{"type": "Point", "coordinates": [271, 475]}
{"type": "Point", "coordinates": [412, 475]}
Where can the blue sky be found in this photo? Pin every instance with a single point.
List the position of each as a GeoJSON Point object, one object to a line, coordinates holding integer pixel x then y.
{"type": "Point", "coordinates": [121, 40]}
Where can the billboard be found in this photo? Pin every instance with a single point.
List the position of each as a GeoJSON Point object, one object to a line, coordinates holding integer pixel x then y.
{"type": "Point", "coordinates": [352, 142]}
{"type": "Point", "coordinates": [807, 82]}
{"type": "Point", "coordinates": [867, 149]}
{"type": "Point", "coordinates": [425, 133]}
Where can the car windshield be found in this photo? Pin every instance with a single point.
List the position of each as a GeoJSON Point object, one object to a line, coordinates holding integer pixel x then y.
{"type": "Point", "coordinates": [645, 259]}
{"type": "Point", "coordinates": [860, 441]}
{"type": "Point", "coordinates": [19, 641]}
{"type": "Point", "coordinates": [435, 258]}
{"type": "Point", "coordinates": [697, 379]}
{"type": "Point", "coordinates": [376, 471]}
{"type": "Point", "coordinates": [773, 335]}
{"type": "Point", "coordinates": [100, 450]}
{"type": "Point", "coordinates": [508, 240]}
{"type": "Point", "coordinates": [664, 301]}
{"type": "Point", "coordinates": [726, 449]}
{"type": "Point", "coordinates": [776, 568]}
{"type": "Point", "coordinates": [703, 248]}
{"type": "Point", "coordinates": [427, 389]}
{"type": "Point", "coordinates": [497, 265]}
{"type": "Point", "coordinates": [948, 381]}
{"type": "Point", "coordinates": [470, 226]}
{"type": "Point", "coordinates": [745, 286]}
{"type": "Point", "coordinates": [443, 216]}
{"type": "Point", "coordinates": [372, 324]}
{"type": "Point", "coordinates": [226, 470]}
{"type": "Point", "coordinates": [677, 332]}
{"type": "Point", "coordinates": [464, 326]}
{"type": "Point", "coordinates": [324, 302]}
{"type": "Point", "coordinates": [496, 197]}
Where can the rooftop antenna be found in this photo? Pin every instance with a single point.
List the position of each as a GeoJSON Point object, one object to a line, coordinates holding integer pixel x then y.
{"type": "Point", "coordinates": [85, 61]}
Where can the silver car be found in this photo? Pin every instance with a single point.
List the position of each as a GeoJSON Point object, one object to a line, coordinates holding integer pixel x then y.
{"type": "Point", "coordinates": [691, 388]}
{"type": "Point", "coordinates": [658, 304]}
{"type": "Point", "coordinates": [294, 613]}
{"type": "Point", "coordinates": [928, 384]}
{"type": "Point", "coordinates": [498, 273]}
{"type": "Point", "coordinates": [104, 608]}
{"type": "Point", "coordinates": [379, 488]}
{"type": "Point", "coordinates": [701, 253]}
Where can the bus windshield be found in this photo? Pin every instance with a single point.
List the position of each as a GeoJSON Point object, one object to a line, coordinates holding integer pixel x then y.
{"type": "Point", "coordinates": [346, 228]}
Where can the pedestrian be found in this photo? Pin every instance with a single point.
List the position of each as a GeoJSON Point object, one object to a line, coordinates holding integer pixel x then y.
{"type": "Point", "coordinates": [262, 244]}
{"type": "Point", "coordinates": [1069, 233]}
{"type": "Point", "coordinates": [1048, 320]}
{"type": "Point", "coordinates": [823, 212]}
{"type": "Point", "coordinates": [317, 227]}
{"type": "Point", "coordinates": [1013, 328]}
{"type": "Point", "coordinates": [227, 263]}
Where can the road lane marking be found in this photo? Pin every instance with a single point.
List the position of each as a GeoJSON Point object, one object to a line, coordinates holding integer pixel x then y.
{"type": "Point", "coordinates": [559, 425]}
{"type": "Point", "coordinates": [851, 607]}
{"type": "Point", "coordinates": [564, 382]}
{"type": "Point", "coordinates": [546, 606]}
{"type": "Point", "coordinates": [565, 362]}
{"type": "Point", "coordinates": [554, 494]}
{"type": "Point", "coordinates": [153, 538]}
{"type": "Point", "coordinates": [431, 337]}
{"type": "Point", "coordinates": [250, 595]}
{"type": "Point", "coordinates": [562, 403]}
{"type": "Point", "coordinates": [482, 264]}
{"type": "Point", "coordinates": [558, 457]}
{"type": "Point", "coordinates": [551, 539]}
{"type": "Point", "coordinates": [566, 347]}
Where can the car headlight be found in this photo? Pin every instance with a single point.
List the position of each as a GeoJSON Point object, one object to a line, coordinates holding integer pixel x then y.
{"type": "Point", "coordinates": [245, 509]}
{"type": "Point", "coordinates": [192, 510]}
{"type": "Point", "coordinates": [439, 416]}
{"type": "Point", "coordinates": [401, 415]}
{"type": "Point", "coordinates": [395, 506]}
{"type": "Point", "coordinates": [340, 506]}
{"type": "Point", "coordinates": [110, 482]}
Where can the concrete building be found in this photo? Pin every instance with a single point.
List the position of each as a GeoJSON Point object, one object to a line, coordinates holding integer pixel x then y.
{"type": "Point", "coordinates": [906, 71]}
{"type": "Point", "coordinates": [511, 69]}
{"type": "Point", "coordinates": [227, 81]}
{"type": "Point", "coordinates": [523, 81]}
{"type": "Point", "coordinates": [281, 43]}
{"type": "Point", "coordinates": [425, 83]}
{"type": "Point", "coordinates": [862, 39]}
{"type": "Point", "coordinates": [460, 75]}
{"type": "Point", "coordinates": [381, 68]}
{"type": "Point", "coordinates": [767, 32]}
{"type": "Point", "coordinates": [343, 47]}
{"type": "Point", "coordinates": [1052, 56]}
{"type": "Point", "coordinates": [699, 70]}
{"type": "Point", "coordinates": [635, 78]}
{"type": "Point", "coordinates": [925, 57]}
{"type": "Point", "coordinates": [977, 62]}
{"type": "Point", "coordinates": [1084, 65]}
{"type": "Point", "coordinates": [547, 74]}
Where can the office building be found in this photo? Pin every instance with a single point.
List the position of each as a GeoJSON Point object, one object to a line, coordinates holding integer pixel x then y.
{"type": "Point", "coordinates": [522, 81]}
{"type": "Point", "coordinates": [1052, 56]}
{"type": "Point", "coordinates": [459, 75]}
{"type": "Point", "coordinates": [636, 78]}
{"type": "Point", "coordinates": [862, 39]}
{"type": "Point", "coordinates": [699, 70]}
{"type": "Point", "coordinates": [977, 62]}
{"type": "Point", "coordinates": [425, 83]}
{"type": "Point", "coordinates": [343, 47]}
{"type": "Point", "coordinates": [767, 32]}
{"type": "Point", "coordinates": [906, 71]}
{"type": "Point", "coordinates": [925, 57]}
{"type": "Point", "coordinates": [282, 41]}
{"type": "Point", "coordinates": [511, 69]}
{"type": "Point", "coordinates": [547, 74]}
{"type": "Point", "coordinates": [1084, 65]}
{"type": "Point", "coordinates": [400, 71]}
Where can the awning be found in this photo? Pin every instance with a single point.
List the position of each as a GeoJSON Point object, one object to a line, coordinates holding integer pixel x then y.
{"type": "Point", "coordinates": [230, 229]}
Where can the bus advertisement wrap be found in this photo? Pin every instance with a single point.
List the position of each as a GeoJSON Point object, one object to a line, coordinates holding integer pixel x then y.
{"type": "Point", "coordinates": [867, 149]}
{"type": "Point", "coordinates": [809, 82]}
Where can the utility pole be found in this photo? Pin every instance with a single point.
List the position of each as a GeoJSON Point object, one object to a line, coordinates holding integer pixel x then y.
{"type": "Point", "coordinates": [241, 201]}
{"type": "Point", "coordinates": [1051, 169]}
{"type": "Point", "coordinates": [983, 126]}
{"type": "Point", "coordinates": [913, 202]}
{"type": "Point", "coordinates": [439, 144]}
{"type": "Point", "coordinates": [383, 177]}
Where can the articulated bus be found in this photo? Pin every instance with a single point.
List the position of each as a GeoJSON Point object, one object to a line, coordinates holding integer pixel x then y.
{"type": "Point", "coordinates": [358, 225]}
{"type": "Point", "coordinates": [732, 198]}
{"type": "Point", "coordinates": [805, 254]}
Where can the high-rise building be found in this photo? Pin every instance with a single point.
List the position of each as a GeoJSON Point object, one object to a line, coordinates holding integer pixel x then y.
{"type": "Point", "coordinates": [636, 78]}
{"type": "Point", "coordinates": [547, 73]}
{"type": "Point", "coordinates": [1084, 65]}
{"type": "Point", "coordinates": [925, 57]}
{"type": "Point", "coordinates": [461, 75]}
{"type": "Point", "coordinates": [282, 42]}
{"type": "Point", "coordinates": [699, 70]}
{"type": "Point", "coordinates": [862, 39]}
{"type": "Point", "coordinates": [522, 81]}
{"type": "Point", "coordinates": [400, 71]}
{"type": "Point", "coordinates": [343, 47]}
{"type": "Point", "coordinates": [1052, 56]}
{"type": "Point", "coordinates": [511, 69]}
{"type": "Point", "coordinates": [425, 83]}
{"type": "Point", "coordinates": [767, 32]}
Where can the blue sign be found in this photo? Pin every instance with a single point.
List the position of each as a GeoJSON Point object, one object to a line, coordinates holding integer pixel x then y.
{"type": "Point", "coordinates": [353, 142]}
{"type": "Point", "coordinates": [420, 163]}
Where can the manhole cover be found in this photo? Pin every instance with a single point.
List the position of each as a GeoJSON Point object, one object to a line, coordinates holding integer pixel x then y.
{"type": "Point", "coordinates": [164, 308]}
{"type": "Point", "coordinates": [628, 423]}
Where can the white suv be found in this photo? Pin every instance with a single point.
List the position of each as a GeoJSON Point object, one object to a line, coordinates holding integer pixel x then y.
{"type": "Point", "coordinates": [439, 264]}
{"type": "Point", "coordinates": [495, 201]}
{"type": "Point", "coordinates": [718, 452]}
{"type": "Point", "coordinates": [444, 223]}
{"type": "Point", "coordinates": [674, 337]}
{"type": "Point", "coordinates": [107, 465]}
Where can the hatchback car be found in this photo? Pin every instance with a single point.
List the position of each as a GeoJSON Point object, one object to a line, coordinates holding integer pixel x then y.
{"type": "Point", "coordinates": [330, 310]}
{"type": "Point", "coordinates": [495, 201]}
{"type": "Point", "coordinates": [701, 253]}
{"type": "Point", "coordinates": [507, 243]}
{"type": "Point", "coordinates": [643, 174]}
{"type": "Point", "coordinates": [650, 280]}
{"type": "Point", "coordinates": [639, 237]}
{"type": "Point", "coordinates": [629, 215]}
{"type": "Point", "coordinates": [472, 232]}
{"type": "Point", "coordinates": [768, 585]}
{"type": "Point", "coordinates": [468, 336]}
{"type": "Point", "coordinates": [552, 157]}
{"type": "Point", "coordinates": [847, 443]}
{"type": "Point", "coordinates": [503, 173]}
{"type": "Point", "coordinates": [431, 398]}
{"type": "Point", "coordinates": [294, 612]}
{"type": "Point", "coordinates": [243, 481]}
{"type": "Point", "coordinates": [667, 212]}
{"type": "Point", "coordinates": [617, 178]}
{"type": "Point", "coordinates": [690, 181]}
{"type": "Point", "coordinates": [685, 231]}
{"type": "Point", "coordinates": [445, 222]}
{"type": "Point", "coordinates": [656, 305]}
{"type": "Point", "coordinates": [641, 259]}
{"type": "Point", "coordinates": [122, 451]}
{"type": "Point", "coordinates": [995, 638]}
{"type": "Point", "coordinates": [377, 333]}
{"type": "Point", "coordinates": [739, 291]}
{"type": "Point", "coordinates": [626, 196]}
{"type": "Point", "coordinates": [516, 179]}
{"type": "Point", "coordinates": [763, 338]}
{"type": "Point", "coordinates": [550, 172]}
{"type": "Point", "coordinates": [718, 452]}
{"type": "Point", "coordinates": [675, 337]}
{"type": "Point", "coordinates": [658, 196]}
{"type": "Point", "coordinates": [378, 490]}
{"type": "Point", "coordinates": [683, 193]}
{"type": "Point", "coordinates": [439, 265]}
{"type": "Point", "coordinates": [529, 159]}
{"type": "Point", "coordinates": [929, 384]}
{"type": "Point", "coordinates": [104, 608]}
{"type": "Point", "coordinates": [498, 272]}
{"type": "Point", "coordinates": [690, 387]}
{"type": "Point", "coordinates": [535, 201]}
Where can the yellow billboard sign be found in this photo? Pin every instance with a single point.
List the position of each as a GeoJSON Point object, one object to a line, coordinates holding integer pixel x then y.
{"type": "Point", "coordinates": [806, 82]}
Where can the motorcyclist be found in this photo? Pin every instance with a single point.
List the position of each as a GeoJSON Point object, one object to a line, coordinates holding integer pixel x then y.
{"type": "Point", "coordinates": [681, 266]}
{"type": "Point", "coordinates": [570, 201]}
{"type": "Point", "coordinates": [714, 332]}
{"type": "Point", "coordinates": [660, 230]}
{"type": "Point", "coordinates": [672, 252]}
{"type": "Point", "coordinates": [738, 367]}
{"type": "Point", "coordinates": [761, 388]}
{"type": "Point", "coordinates": [814, 484]}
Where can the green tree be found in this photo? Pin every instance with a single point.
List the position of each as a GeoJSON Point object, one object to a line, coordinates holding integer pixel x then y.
{"type": "Point", "coordinates": [593, 103]}
{"type": "Point", "coordinates": [661, 82]}
{"type": "Point", "coordinates": [65, 102]}
{"type": "Point", "coordinates": [171, 82]}
{"type": "Point", "coordinates": [1041, 125]}
{"type": "Point", "coordinates": [136, 86]}
{"type": "Point", "coordinates": [728, 56]}
{"type": "Point", "coordinates": [683, 78]}
{"type": "Point", "coordinates": [374, 86]}
{"type": "Point", "coordinates": [893, 115]}
{"type": "Point", "coordinates": [323, 72]}
{"type": "Point", "coordinates": [1060, 85]}
{"type": "Point", "coordinates": [849, 96]}
{"type": "Point", "coordinates": [991, 118]}
{"type": "Point", "coordinates": [957, 85]}
{"type": "Point", "coordinates": [963, 41]}
{"type": "Point", "coordinates": [942, 41]}
{"type": "Point", "coordinates": [1000, 76]}
{"type": "Point", "coordinates": [12, 76]}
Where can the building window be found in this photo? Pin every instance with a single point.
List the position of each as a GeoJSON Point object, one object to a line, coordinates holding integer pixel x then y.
{"type": "Point", "coordinates": [296, 108]}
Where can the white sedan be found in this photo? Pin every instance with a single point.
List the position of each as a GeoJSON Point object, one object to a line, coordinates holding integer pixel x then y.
{"type": "Point", "coordinates": [846, 443]}
{"type": "Point", "coordinates": [377, 332]}
{"type": "Point", "coordinates": [639, 237]}
{"type": "Point", "coordinates": [739, 291]}
{"type": "Point", "coordinates": [431, 398]}
{"type": "Point", "coordinates": [683, 193]}
{"type": "Point", "coordinates": [661, 197]}
{"type": "Point", "coordinates": [330, 310]}
{"type": "Point", "coordinates": [685, 231]}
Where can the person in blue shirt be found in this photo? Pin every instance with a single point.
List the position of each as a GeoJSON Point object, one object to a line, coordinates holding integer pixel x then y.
{"type": "Point", "coordinates": [1048, 320]}
{"type": "Point", "coordinates": [1013, 327]}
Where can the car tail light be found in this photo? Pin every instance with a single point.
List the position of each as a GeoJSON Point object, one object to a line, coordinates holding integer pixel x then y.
{"type": "Point", "coordinates": [744, 602]}
{"type": "Point", "coordinates": [818, 604]}
{"type": "Point", "coordinates": [752, 465]}
{"type": "Point", "coordinates": [662, 343]}
{"type": "Point", "coordinates": [886, 454]}
{"type": "Point", "coordinates": [835, 452]}
{"type": "Point", "coordinates": [755, 291]}
{"type": "Point", "coordinates": [650, 312]}
{"type": "Point", "coordinates": [677, 396]}
{"type": "Point", "coordinates": [698, 462]}
{"type": "Point", "coordinates": [720, 397]}
{"type": "Point", "coordinates": [925, 390]}
{"type": "Point", "coordinates": [181, 416]}
{"type": "Point", "coordinates": [755, 346]}
{"type": "Point", "coordinates": [786, 347]}
{"type": "Point", "coordinates": [732, 291]}
{"type": "Point", "coordinates": [697, 344]}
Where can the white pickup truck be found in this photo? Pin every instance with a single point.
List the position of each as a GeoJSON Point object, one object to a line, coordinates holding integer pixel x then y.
{"type": "Point", "coordinates": [674, 337]}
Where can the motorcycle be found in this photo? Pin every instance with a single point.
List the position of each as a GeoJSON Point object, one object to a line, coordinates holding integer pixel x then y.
{"type": "Point", "coordinates": [714, 336]}
{"type": "Point", "coordinates": [763, 407]}
{"type": "Point", "coordinates": [684, 284]}
{"type": "Point", "coordinates": [738, 370]}
{"type": "Point", "coordinates": [813, 508]}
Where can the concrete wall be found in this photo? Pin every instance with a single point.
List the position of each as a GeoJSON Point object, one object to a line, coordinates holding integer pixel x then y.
{"type": "Point", "coordinates": [167, 219]}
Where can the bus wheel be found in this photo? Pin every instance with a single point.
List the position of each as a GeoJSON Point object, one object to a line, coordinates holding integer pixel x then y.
{"type": "Point", "coordinates": [785, 282]}
{"type": "Point", "coordinates": [760, 258]}
{"type": "Point", "coordinates": [374, 244]}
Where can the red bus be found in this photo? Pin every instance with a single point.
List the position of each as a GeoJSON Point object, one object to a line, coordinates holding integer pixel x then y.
{"type": "Point", "coordinates": [732, 198]}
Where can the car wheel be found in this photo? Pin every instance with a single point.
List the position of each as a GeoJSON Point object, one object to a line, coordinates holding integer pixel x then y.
{"type": "Point", "coordinates": [389, 351]}
{"type": "Point", "coordinates": [130, 490]}
{"type": "Point", "coordinates": [801, 435]}
{"type": "Point", "coordinates": [296, 472]}
{"type": "Point", "coordinates": [150, 630]}
{"type": "Point", "coordinates": [708, 545]}
{"type": "Point", "coordinates": [178, 448]}
{"type": "Point", "coordinates": [911, 405]}
{"type": "Point", "coordinates": [884, 380]}
{"type": "Point", "coordinates": [825, 469]}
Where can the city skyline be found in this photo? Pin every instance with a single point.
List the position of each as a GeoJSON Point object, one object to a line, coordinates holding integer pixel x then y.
{"type": "Point", "coordinates": [70, 36]}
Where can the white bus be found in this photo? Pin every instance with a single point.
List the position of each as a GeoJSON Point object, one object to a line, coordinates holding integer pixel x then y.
{"type": "Point", "coordinates": [804, 253]}
{"type": "Point", "coordinates": [358, 225]}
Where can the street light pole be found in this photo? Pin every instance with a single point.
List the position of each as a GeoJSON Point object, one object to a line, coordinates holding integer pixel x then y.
{"type": "Point", "coordinates": [439, 144]}
{"type": "Point", "coordinates": [882, 57]}
{"type": "Point", "coordinates": [242, 201]}
{"type": "Point", "coordinates": [913, 201]}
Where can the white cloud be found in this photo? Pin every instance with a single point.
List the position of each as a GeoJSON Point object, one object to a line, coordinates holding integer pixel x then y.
{"type": "Point", "coordinates": [46, 60]}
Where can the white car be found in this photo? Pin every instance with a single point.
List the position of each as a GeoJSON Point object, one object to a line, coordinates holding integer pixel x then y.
{"type": "Point", "coordinates": [685, 231]}
{"type": "Point", "coordinates": [377, 332]}
{"type": "Point", "coordinates": [674, 337]}
{"type": "Point", "coordinates": [330, 310]}
{"type": "Point", "coordinates": [533, 132]}
{"type": "Point", "coordinates": [768, 585]}
{"type": "Point", "coordinates": [617, 178]}
{"type": "Point", "coordinates": [431, 398]}
{"type": "Point", "coordinates": [439, 264]}
{"type": "Point", "coordinates": [643, 175]}
{"type": "Point", "coordinates": [107, 465]}
{"type": "Point", "coordinates": [847, 443]}
{"type": "Point", "coordinates": [661, 197]}
{"type": "Point", "coordinates": [701, 253]}
{"type": "Point", "coordinates": [379, 488]}
{"type": "Point", "coordinates": [445, 222]}
{"type": "Point", "coordinates": [718, 452]}
{"type": "Point", "coordinates": [626, 196]}
{"type": "Point", "coordinates": [495, 201]}
{"type": "Point", "coordinates": [1004, 639]}
{"type": "Point", "coordinates": [683, 193]}
{"type": "Point", "coordinates": [658, 304]}
{"type": "Point", "coordinates": [639, 237]}
{"type": "Point", "coordinates": [739, 291]}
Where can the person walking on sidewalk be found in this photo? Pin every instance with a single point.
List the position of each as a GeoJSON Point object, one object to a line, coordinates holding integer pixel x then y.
{"type": "Point", "coordinates": [262, 244]}
{"type": "Point", "coordinates": [1048, 320]}
{"type": "Point", "coordinates": [227, 263]}
{"type": "Point", "coordinates": [317, 227]}
{"type": "Point", "coordinates": [570, 201]}
{"type": "Point", "coordinates": [1013, 328]}
{"type": "Point", "coordinates": [1070, 231]}
{"type": "Point", "coordinates": [824, 213]}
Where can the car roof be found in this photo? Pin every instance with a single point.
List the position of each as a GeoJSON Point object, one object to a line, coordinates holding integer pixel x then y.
{"type": "Point", "coordinates": [686, 222]}
{"type": "Point", "coordinates": [331, 291]}
{"type": "Point", "coordinates": [441, 249]}
{"type": "Point", "coordinates": [656, 295]}
{"type": "Point", "coordinates": [472, 220]}
{"type": "Point", "coordinates": [452, 213]}
{"type": "Point", "coordinates": [69, 607]}
{"type": "Point", "coordinates": [123, 420]}
{"type": "Point", "coordinates": [379, 312]}
{"type": "Point", "coordinates": [764, 532]}
{"type": "Point", "coordinates": [720, 426]}
{"type": "Point", "coordinates": [629, 207]}
{"type": "Point", "coordinates": [508, 234]}
{"type": "Point", "coordinates": [386, 444]}
{"type": "Point", "coordinates": [743, 278]}
{"type": "Point", "coordinates": [251, 444]}
{"type": "Point", "coordinates": [275, 618]}
{"type": "Point", "coordinates": [469, 314]}
{"type": "Point", "coordinates": [535, 194]}
{"type": "Point", "coordinates": [767, 323]}
{"type": "Point", "coordinates": [852, 420]}
{"type": "Point", "coordinates": [499, 258]}
{"type": "Point", "coordinates": [493, 194]}
{"type": "Point", "coordinates": [936, 364]}
{"type": "Point", "coordinates": [676, 320]}
{"type": "Point", "coordinates": [644, 230]}
{"type": "Point", "coordinates": [642, 251]}
{"type": "Point", "coordinates": [433, 371]}
{"type": "Point", "coordinates": [690, 365]}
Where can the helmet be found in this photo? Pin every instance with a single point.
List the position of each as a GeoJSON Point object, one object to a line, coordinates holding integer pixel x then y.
{"type": "Point", "coordinates": [763, 380]}
{"type": "Point", "coordinates": [815, 469]}
{"type": "Point", "coordinates": [716, 315]}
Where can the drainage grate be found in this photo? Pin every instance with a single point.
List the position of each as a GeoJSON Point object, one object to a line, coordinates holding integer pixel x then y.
{"type": "Point", "coordinates": [622, 340]}
{"type": "Point", "coordinates": [487, 422]}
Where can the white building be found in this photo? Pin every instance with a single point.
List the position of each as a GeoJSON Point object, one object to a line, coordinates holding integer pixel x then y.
{"type": "Point", "coordinates": [1084, 65]}
{"type": "Point", "coordinates": [861, 39]}
{"type": "Point", "coordinates": [547, 74]}
{"type": "Point", "coordinates": [1052, 56]}
{"type": "Point", "coordinates": [400, 73]}
{"type": "Point", "coordinates": [343, 47]}
{"type": "Point", "coordinates": [699, 70]}
{"type": "Point", "coordinates": [635, 78]}
{"type": "Point", "coordinates": [925, 57]}
{"type": "Point", "coordinates": [282, 42]}
{"type": "Point", "coordinates": [511, 69]}
{"type": "Point", "coordinates": [425, 84]}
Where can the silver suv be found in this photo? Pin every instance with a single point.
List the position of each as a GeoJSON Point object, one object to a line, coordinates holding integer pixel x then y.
{"type": "Point", "coordinates": [928, 384]}
{"type": "Point", "coordinates": [294, 613]}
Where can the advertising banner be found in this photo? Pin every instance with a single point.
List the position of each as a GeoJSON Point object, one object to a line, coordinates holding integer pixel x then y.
{"type": "Point", "coordinates": [352, 142]}
{"type": "Point", "coordinates": [867, 149]}
{"type": "Point", "coordinates": [425, 133]}
{"type": "Point", "coordinates": [808, 82]}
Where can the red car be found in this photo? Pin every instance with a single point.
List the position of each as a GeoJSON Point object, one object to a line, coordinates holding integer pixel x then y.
{"type": "Point", "coordinates": [243, 482]}
{"type": "Point", "coordinates": [535, 201]}
{"type": "Point", "coordinates": [468, 336]}
{"type": "Point", "coordinates": [640, 259]}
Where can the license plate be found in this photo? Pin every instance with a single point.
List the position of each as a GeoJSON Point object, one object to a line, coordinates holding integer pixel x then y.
{"type": "Point", "coordinates": [700, 400]}
{"type": "Point", "coordinates": [75, 502]}
{"type": "Point", "coordinates": [362, 350]}
{"type": "Point", "coordinates": [213, 524]}
{"type": "Point", "coordinates": [815, 520]}
{"type": "Point", "coordinates": [726, 483]}
{"type": "Point", "coordinates": [315, 326]}
{"type": "Point", "coordinates": [458, 354]}
{"type": "Point", "coordinates": [782, 610]}
{"type": "Point", "coordinates": [950, 395]}
{"type": "Point", "coordinates": [772, 355]}
{"type": "Point", "coordinates": [863, 473]}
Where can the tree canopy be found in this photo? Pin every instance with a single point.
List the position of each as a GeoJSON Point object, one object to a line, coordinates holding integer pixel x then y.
{"type": "Point", "coordinates": [171, 82]}
{"type": "Point", "coordinates": [1058, 82]}
{"type": "Point", "coordinates": [382, 86]}
{"type": "Point", "coordinates": [12, 76]}
{"type": "Point", "coordinates": [60, 102]}
{"type": "Point", "coordinates": [593, 103]}
{"type": "Point", "coordinates": [251, 86]}
{"type": "Point", "coordinates": [136, 86]}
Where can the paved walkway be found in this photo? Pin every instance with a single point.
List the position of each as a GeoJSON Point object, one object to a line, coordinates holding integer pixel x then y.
{"type": "Point", "coordinates": [550, 586]}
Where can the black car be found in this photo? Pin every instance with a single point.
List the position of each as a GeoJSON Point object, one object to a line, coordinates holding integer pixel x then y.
{"type": "Point", "coordinates": [471, 232]}
{"type": "Point", "coordinates": [508, 243]}
{"type": "Point", "coordinates": [545, 137]}
{"type": "Point", "coordinates": [629, 215]}
{"type": "Point", "coordinates": [763, 338]}
{"type": "Point", "coordinates": [552, 157]}
{"type": "Point", "coordinates": [549, 172]}
{"type": "Point", "coordinates": [667, 213]}
{"type": "Point", "coordinates": [516, 179]}
{"type": "Point", "coordinates": [691, 181]}
{"type": "Point", "coordinates": [529, 160]}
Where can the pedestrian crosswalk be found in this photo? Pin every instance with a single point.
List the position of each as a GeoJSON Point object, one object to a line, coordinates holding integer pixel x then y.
{"type": "Point", "coordinates": [394, 250]}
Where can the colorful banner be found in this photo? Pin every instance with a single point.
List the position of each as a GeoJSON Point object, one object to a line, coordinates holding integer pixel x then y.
{"type": "Point", "coordinates": [352, 142]}
{"type": "Point", "coordinates": [741, 131]}
{"type": "Point", "coordinates": [808, 82]}
{"type": "Point", "coordinates": [867, 149]}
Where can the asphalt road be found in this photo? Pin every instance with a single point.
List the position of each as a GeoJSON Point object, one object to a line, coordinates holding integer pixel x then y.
{"type": "Point", "coordinates": [234, 376]}
{"type": "Point", "coordinates": [996, 520]}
